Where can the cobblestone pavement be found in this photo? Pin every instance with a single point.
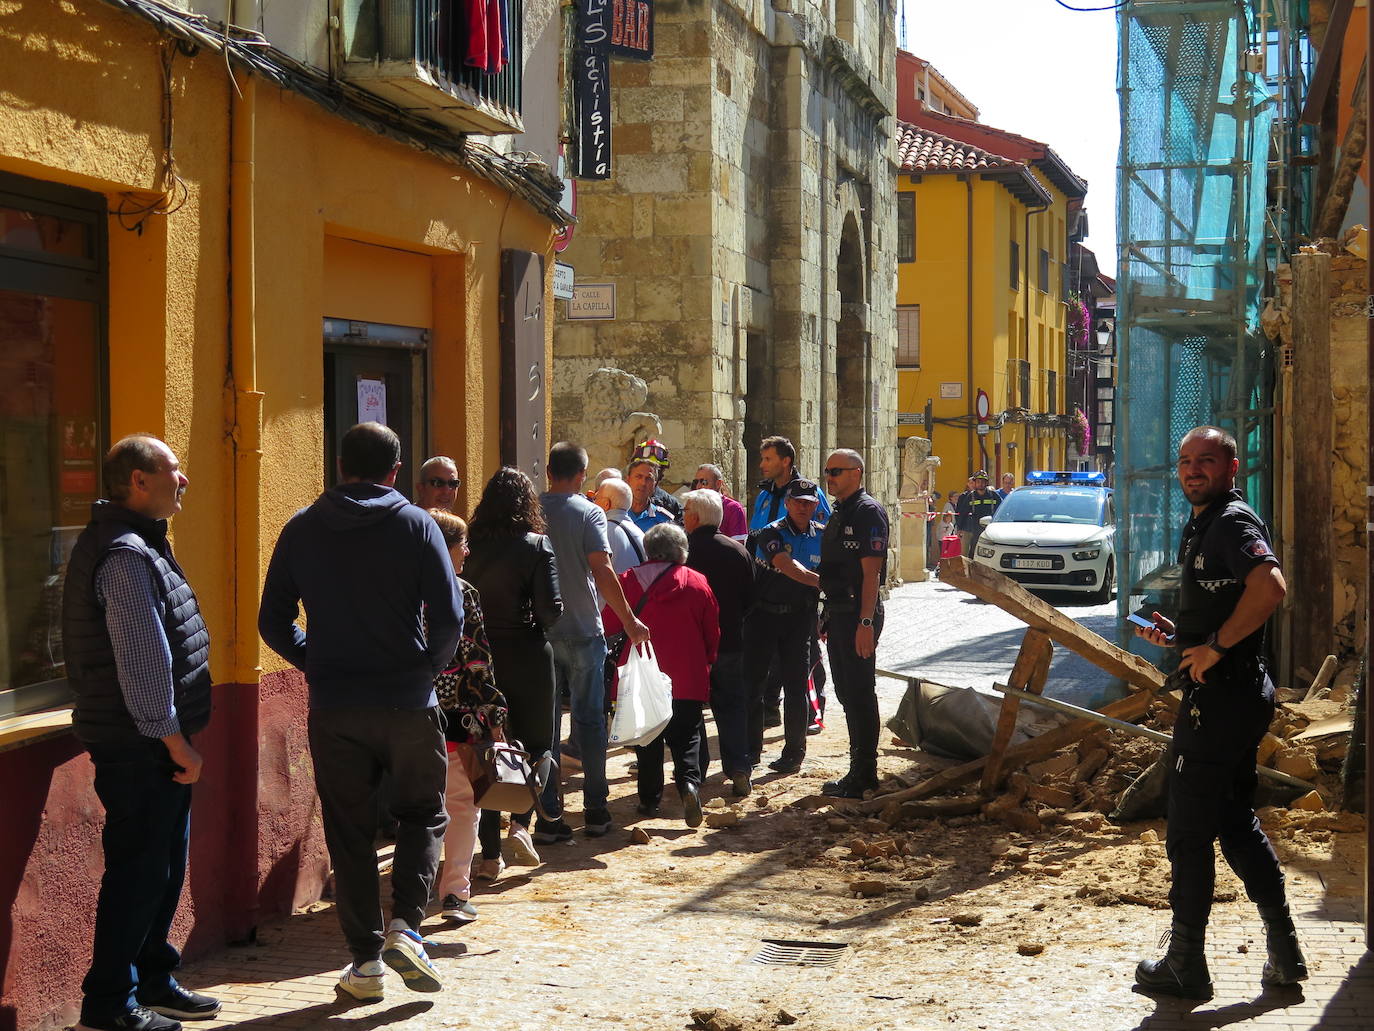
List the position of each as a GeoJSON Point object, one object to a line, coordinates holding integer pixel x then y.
{"type": "Point", "coordinates": [612, 935]}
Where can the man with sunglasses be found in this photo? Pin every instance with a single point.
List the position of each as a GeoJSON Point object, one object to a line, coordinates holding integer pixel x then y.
{"type": "Point", "coordinates": [853, 566]}
{"type": "Point", "coordinates": [439, 483]}
{"type": "Point", "coordinates": [734, 523]}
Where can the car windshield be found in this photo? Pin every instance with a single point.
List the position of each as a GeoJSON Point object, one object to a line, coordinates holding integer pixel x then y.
{"type": "Point", "coordinates": [1052, 505]}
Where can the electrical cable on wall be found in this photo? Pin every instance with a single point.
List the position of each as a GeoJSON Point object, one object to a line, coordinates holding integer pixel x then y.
{"type": "Point", "coordinates": [133, 211]}
{"type": "Point", "coordinates": [1089, 10]}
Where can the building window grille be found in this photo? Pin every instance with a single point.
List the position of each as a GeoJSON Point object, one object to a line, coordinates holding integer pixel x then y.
{"type": "Point", "coordinates": [906, 227]}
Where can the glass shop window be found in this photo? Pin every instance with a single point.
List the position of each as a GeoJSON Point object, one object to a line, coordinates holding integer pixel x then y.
{"type": "Point", "coordinates": [52, 420]}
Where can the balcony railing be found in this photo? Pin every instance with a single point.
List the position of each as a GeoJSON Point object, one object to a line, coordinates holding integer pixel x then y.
{"type": "Point", "coordinates": [413, 53]}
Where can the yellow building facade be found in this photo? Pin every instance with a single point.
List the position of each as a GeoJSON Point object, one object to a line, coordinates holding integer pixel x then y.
{"type": "Point", "coordinates": [983, 243]}
{"type": "Point", "coordinates": [194, 247]}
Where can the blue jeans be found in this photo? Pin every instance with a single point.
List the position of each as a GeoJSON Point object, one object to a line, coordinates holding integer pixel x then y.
{"type": "Point", "coordinates": [147, 830]}
{"type": "Point", "coordinates": [581, 664]}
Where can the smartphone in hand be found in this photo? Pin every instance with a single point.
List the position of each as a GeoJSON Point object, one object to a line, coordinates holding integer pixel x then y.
{"type": "Point", "coordinates": [1141, 621]}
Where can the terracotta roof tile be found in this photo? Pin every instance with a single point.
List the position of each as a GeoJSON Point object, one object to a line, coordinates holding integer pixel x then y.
{"type": "Point", "coordinates": [920, 150]}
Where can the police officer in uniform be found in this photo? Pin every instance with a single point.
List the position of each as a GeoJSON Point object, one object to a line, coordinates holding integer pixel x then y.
{"type": "Point", "coordinates": [780, 627]}
{"type": "Point", "coordinates": [853, 567]}
{"type": "Point", "coordinates": [1231, 584]}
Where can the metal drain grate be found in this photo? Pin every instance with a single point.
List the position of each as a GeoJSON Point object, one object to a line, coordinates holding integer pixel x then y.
{"type": "Point", "coordinates": [781, 952]}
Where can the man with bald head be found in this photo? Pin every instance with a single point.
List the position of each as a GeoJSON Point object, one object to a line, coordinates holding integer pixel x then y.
{"type": "Point", "coordinates": [853, 568]}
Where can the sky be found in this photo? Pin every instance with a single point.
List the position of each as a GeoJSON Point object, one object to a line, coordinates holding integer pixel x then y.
{"type": "Point", "coordinates": [1037, 69]}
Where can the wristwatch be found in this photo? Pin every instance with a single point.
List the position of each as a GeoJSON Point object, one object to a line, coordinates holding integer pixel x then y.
{"type": "Point", "coordinates": [865, 621]}
{"type": "Point", "coordinates": [1216, 645]}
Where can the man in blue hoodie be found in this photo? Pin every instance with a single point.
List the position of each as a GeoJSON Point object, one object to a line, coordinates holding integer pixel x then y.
{"type": "Point", "coordinates": [384, 617]}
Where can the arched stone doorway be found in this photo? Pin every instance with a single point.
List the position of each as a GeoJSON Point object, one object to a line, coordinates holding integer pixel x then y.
{"type": "Point", "coordinates": [853, 396]}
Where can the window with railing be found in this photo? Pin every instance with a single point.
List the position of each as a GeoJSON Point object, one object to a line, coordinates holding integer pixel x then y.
{"type": "Point", "coordinates": [1023, 395]}
{"type": "Point", "coordinates": [388, 44]}
{"type": "Point", "coordinates": [1044, 282]}
{"type": "Point", "coordinates": [1051, 391]}
{"type": "Point", "coordinates": [906, 227]}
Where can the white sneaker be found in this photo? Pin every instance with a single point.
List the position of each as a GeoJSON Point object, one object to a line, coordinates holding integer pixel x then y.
{"type": "Point", "coordinates": [404, 952]}
{"type": "Point", "coordinates": [490, 869]}
{"type": "Point", "coordinates": [522, 850]}
{"type": "Point", "coordinates": [365, 987]}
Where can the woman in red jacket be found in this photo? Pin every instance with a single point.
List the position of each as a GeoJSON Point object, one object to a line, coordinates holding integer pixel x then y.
{"type": "Point", "coordinates": [681, 613]}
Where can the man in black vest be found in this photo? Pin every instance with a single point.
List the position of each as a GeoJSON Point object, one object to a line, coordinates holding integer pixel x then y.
{"type": "Point", "coordinates": [384, 617]}
{"type": "Point", "coordinates": [137, 656]}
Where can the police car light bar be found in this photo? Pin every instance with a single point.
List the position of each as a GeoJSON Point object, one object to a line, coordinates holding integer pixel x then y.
{"type": "Point", "coordinates": [1087, 479]}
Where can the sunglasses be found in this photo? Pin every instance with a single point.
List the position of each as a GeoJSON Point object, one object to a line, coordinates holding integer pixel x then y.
{"type": "Point", "coordinates": [835, 471]}
{"type": "Point", "coordinates": [700, 483]}
{"type": "Point", "coordinates": [438, 483]}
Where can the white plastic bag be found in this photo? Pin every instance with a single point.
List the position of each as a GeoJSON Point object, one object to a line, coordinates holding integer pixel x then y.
{"type": "Point", "coordinates": [644, 698]}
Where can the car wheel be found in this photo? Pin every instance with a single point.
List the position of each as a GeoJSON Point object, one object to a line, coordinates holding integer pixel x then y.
{"type": "Point", "coordinates": [1104, 593]}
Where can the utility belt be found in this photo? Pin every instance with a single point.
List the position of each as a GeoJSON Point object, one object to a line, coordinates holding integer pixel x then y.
{"type": "Point", "coordinates": [783, 610]}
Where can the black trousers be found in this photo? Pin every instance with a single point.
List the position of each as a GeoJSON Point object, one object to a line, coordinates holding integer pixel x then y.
{"type": "Point", "coordinates": [781, 640]}
{"type": "Point", "coordinates": [856, 687]}
{"type": "Point", "coordinates": [683, 737]}
{"type": "Point", "coordinates": [350, 747]}
{"type": "Point", "coordinates": [524, 673]}
{"type": "Point", "coordinates": [1212, 784]}
{"type": "Point", "coordinates": [147, 828]}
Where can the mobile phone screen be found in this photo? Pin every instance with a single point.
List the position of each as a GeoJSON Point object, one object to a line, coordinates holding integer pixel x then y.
{"type": "Point", "coordinates": [1141, 621]}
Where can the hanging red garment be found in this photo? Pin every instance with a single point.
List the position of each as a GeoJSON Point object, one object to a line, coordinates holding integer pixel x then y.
{"type": "Point", "coordinates": [485, 50]}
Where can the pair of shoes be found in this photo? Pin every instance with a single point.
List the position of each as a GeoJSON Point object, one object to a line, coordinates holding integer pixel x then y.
{"type": "Point", "coordinates": [490, 869]}
{"type": "Point", "coordinates": [772, 718]}
{"type": "Point", "coordinates": [596, 823]}
{"type": "Point", "coordinates": [849, 786]}
{"type": "Point", "coordinates": [461, 910]}
{"type": "Point", "coordinates": [364, 984]}
{"type": "Point", "coordinates": [552, 832]}
{"type": "Point", "coordinates": [647, 809]}
{"type": "Point", "coordinates": [817, 725]}
{"type": "Point", "coordinates": [740, 785]}
{"type": "Point", "coordinates": [182, 1004]}
{"type": "Point", "coordinates": [691, 805]}
{"type": "Point", "coordinates": [404, 952]}
{"type": "Point", "coordinates": [523, 852]}
{"type": "Point", "coordinates": [140, 1018]}
{"type": "Point", "coordinates": [784, 765]}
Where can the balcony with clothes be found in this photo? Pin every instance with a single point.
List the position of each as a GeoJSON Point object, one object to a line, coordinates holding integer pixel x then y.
{"type": "Point", "coordinates": [458, 63]}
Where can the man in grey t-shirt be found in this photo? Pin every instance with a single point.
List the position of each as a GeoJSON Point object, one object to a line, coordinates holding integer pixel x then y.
{"type": "Point", "coordinates": [577, 530]}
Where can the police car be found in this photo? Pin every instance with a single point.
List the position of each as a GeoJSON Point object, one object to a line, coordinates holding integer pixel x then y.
{"type": "Point", "coordinates": [1056, 533]}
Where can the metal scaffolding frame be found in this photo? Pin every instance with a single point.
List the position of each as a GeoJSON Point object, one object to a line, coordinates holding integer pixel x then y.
{"type": "Point", "coordinates": [1200, 222]}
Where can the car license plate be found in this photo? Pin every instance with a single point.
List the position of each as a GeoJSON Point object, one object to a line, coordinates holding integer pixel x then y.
{"type": "Point", "coordinates": [1032, 563]}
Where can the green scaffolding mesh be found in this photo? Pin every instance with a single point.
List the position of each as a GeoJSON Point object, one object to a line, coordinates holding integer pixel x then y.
{"type": "Point", "coordinates": [1196, 120]}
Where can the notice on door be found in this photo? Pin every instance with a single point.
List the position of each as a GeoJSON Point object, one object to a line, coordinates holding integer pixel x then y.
{"type": "Point", "coordinates": [372, 400]}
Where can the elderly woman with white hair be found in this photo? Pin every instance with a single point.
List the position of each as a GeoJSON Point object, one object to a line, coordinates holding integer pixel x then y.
{"type": "Point", "coordinates": [680, 611]}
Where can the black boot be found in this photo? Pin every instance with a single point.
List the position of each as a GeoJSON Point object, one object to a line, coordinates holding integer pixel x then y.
{"type": "Point", "coordinates": [1285, 964]}
{"type": "Point", "coordinates": [1181, 971]}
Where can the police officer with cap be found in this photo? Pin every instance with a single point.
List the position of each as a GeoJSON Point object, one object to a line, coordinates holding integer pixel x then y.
{"type": "Point", "coordinates": [1231, 584]}
{"type": "Point", "coordinates": [780, 626]}
{"type": "Point", "coordinates": [853, 567]}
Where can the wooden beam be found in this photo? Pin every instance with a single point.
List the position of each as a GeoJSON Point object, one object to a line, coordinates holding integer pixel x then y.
{"type": "Point", "coordinates": [1128, 708]}
{"type": "Point", "coordinates": [1029, 674]}
{"type": "Point", "coordinates": [991, 586]}
{"type": "Point", "coordinates": [1336, 200]}
{"type": "Point", "coordinates": [1328, 62]}
{"type": "Point", "coordinates": [1311, 568]}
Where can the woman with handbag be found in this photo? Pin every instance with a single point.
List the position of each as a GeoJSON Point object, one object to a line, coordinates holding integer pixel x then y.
{"type": "Point", "coordinates": [476, 711]}
{"type": "Point", "coordinates": [681, 613]}
{"type": "Point", "coordinates": [512, 565]}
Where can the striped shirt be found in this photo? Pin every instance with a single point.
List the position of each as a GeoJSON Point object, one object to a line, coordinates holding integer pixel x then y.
{"type": "Point", "coordinates": [134, 613]}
